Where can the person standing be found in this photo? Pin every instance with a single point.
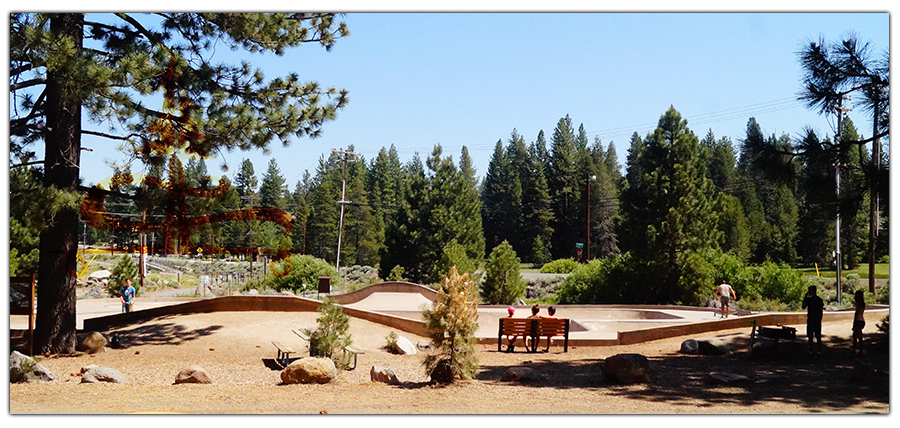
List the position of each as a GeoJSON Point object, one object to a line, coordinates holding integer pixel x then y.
{"type": "Point", "coordinates": [724, 293]}
{"type": "Point", "coordinates": [814, 306]}
{"type": "Point", "coordinates": [859, 322]}
{"type": "Point", "coordinates": [126, 295]}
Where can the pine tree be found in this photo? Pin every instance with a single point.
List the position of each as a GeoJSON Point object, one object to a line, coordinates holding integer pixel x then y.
{"type": "Point", "coordinates": [495, 198]}
{"type": "Point", "coordinates": [453, 320]}
{"type": "Point", "coordinates": [566, 184]}
{"type": "Point", "coordinates": [273, 188]}
{"type": "Point", "coordinates": [537, 211]}
{"type": "Point", "coordinates": [123, 270]}
{"type": "Point", "coordinates": [502, 282]}
{"type": "Point", "coordinates": [672, 201]}
{"type": "Point", "coordinates": [245, 180]}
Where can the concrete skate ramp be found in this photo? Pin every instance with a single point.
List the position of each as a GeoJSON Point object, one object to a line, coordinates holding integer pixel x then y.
{"type": "Point", "coordinates": [391, 301]}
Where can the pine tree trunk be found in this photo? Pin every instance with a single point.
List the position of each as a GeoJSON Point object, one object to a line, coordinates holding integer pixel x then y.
{"type": "Point", "coordinates": [55, 326]}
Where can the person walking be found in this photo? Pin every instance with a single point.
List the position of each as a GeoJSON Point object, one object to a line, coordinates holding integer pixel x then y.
{"type": "Point", "coordinates": [724, 293]}
{"type": "Point", "coordinates": [859, 322]}
{"type": "Point", "coordinates": [126, 295]}
{"type": "Point", "coordinates": [814, 306]}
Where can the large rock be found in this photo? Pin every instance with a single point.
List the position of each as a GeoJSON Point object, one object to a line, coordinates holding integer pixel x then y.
{"type": "Point", "coordinates": [712, 346]}
{"type": "Point", "coordinates": [424, 346]}
{"type": "Point", "coordinates": [309, 370]}
{"type": "Point", "coordinates": [100, 275]}
{"type": "Point", "coordinates": [627, 368]}
{"type": "Point", "coordinates": [23, 368]}
{"type": "Point", "coordinates": [96, 292]}
{"type": "Point", "coordinates": [94, 343]}
{"type": "Point", "coordinates": [383, 374]}
{"type": "Point", "coordinates": [404, 346]}
{"type": "Point", "coordinates": [519, 374]}
{"type": "Point", "coordinates": [690, 347]}
{"type": "Point", "coordinates": [442, 372]}
{"type": "Point", "coordinates": [103, 374]}
{"type": "Point", "coordinates": [725, 378]}
{"type": "Point", "coordinates": [192, 374]}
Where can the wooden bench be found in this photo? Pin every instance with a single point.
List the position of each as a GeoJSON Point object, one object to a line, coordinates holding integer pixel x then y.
{"type": "Point", "coordinates": [284, 353]}
{"type": "Point", "coordinates": [534, 328]}
{"type": "Point", "coordinates": [349, 351]}
{"type": "Point", "coordinates": [776, 334]}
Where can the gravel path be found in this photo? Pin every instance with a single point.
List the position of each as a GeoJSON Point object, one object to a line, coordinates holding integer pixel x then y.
{"type": "Point", "coordinates": [234, 348]}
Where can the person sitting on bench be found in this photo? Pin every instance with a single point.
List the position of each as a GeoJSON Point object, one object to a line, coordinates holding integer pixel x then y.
{"type": "Point", "coordinates": [511, 347]}
{"type": "Point", "coordinates": [551, 312]}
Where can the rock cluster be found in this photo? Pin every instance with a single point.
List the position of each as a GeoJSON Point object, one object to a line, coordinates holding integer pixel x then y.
{"type": "Point", "coordinates": [23, 368]}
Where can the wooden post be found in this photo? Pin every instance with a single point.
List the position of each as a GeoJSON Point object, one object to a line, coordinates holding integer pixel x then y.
{"type": "Point", "coordinates": [32, 306]}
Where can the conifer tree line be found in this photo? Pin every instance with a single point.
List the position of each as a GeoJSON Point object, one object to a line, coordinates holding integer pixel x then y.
{"type": "Point", "coordinates": [679, 194]}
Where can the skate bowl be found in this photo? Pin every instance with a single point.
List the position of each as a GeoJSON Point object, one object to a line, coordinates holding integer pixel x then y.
{"type": "Point", "coordinates": [400, 305]}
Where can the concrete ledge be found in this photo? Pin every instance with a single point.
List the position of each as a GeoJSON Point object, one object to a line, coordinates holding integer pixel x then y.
{"type": "Point", "coordinates": [249, 304]}
{"type": "Point", "coordinates": [788, 318]}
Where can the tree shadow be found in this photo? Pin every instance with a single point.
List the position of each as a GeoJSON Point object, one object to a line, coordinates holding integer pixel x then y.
{"type": "Point", "coordinates": [820, 383]}
{"type": "Point", "coordinates": [168, 333]}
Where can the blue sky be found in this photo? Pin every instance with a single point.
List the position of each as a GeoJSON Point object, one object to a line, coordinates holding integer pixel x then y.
{"type": "Point", "coordinates": [419, 79]}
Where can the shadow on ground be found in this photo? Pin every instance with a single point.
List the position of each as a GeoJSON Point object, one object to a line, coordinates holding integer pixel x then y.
{"type": "Point", "coordinates": [167, 333]}
{"type": "Point", "coordinates": [828, 382]}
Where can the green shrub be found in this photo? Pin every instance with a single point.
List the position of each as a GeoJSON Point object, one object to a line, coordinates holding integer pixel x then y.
{"type": "Point", "coordinates": [124, 269]}
{"type": "Point", "coordinates": [391, 342]}
{"type": "Point", "coordinates": [330, 337]}
{"type": "Point", "coordinates": [883, 295]}
{"type": "Point", "coordinates": [759, 304]}
{"type": "Point", "coordinates": [356, 277]}
{"type": "Point", "coordinates": [396, 274]}
{"type": "Point", "coordinates": [560, 266]}
{"type": "Point", "coordinates": [614, 279]}
{"type": "Point", "coordinates": [540, 254]}
{"type": "Point", "coordinates": [502, 284]}
{"type": "Point", "coordinates": [884, 259]}
{"type": "Point", "coordinates": [453, 320]}
{"type": "Point", "coordinates": [303, 274]}
{"type": "Point", "coordinates": [884, 325]}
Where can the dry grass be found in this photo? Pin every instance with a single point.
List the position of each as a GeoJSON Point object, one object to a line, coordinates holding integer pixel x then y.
{"type": "Point", "coordinates": [235, 347]}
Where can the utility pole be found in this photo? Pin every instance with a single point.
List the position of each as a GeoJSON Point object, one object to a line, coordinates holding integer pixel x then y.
{"type": "Point", "coordinates": [873, 194]}
{"type": "Point", "coordinates": [590, 179]}
{"type": "Point", "coordinates": [347, 155]}
{"type": "Point", "coordinates": [837, 178]}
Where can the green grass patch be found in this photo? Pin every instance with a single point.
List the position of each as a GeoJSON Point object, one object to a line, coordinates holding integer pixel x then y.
{"type": "Point", "coordinates": [882, 271]}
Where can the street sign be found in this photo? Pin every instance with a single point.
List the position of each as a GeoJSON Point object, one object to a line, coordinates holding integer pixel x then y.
{"type": "Point", "coordinates": [578, 252]}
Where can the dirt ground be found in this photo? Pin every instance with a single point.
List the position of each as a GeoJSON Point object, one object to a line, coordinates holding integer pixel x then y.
{"type": "Point", "coordinates": [236, 349]}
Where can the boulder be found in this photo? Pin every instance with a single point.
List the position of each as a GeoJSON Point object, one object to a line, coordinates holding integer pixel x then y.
{"type": "Point", "coordinates": [88, 367]}
{"type": "Point", "coordinates": [94, 343]}
{"type": "Point", "coordinates": [763, 346]}
{"type": "Point", "coordinates": [23, 368]}
{"type": "Point", "coordinates": [96, 292]}
{"type": "Point", "coordinates": [712, 346]}
{"type": "Point", "coordinates": [192, 374]}
{"type": "Point", "coordinates": [100, 275]}
{"type": "Point", "coordinates": [286, 293]}
{"type": "Point", "coordinates": [383, 374]}
{"type": "Point", "coordinates": [309, 370]}
{"type": "Point", "coordinates": [519, 374]}
{"type": "Point", "coordinates": [404, 346]}
{"type": "Point", "coordinates": [725, 378]}
{"type": "Point", "coordinates": [442, 372]}
{"type": "Point", "coordinates": [627, 368]}
{"type": "Point", "coordinates": [103, 374]}
{"type": "Point", "coordinates": [424, 346]}
{"type": "Point", "coordinates": [253, 292]}
{"type": "Point", "coordinates": [690, 346]}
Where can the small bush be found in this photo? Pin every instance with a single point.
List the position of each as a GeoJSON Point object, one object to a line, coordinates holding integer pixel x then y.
{"type": "Point", "coordinates": [884, 325]}
{"type": "Point", "coordinates": [391, 342]}
{"type": "Point", "coordinates": [302, 274]}
{"type": "Point", "coordinates": [331, 336]}
{"type": "Point", "coordinates": [758, 304]}
{"type": "Point", "coordinates": [560, 266]}
{"type": "Point", "coordinates": [883, 296]}
{"type": "Point", "coordinates": [884, 259]}
{"type": "Point", "coordinates": [396, 274]}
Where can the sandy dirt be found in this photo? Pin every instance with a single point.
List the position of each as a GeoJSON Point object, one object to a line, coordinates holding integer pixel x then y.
{"type": "Point", "coordinates": [236, 349]}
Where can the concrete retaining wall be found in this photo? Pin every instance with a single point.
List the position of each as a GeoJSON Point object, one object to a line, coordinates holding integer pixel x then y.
{"type": "Point", "coordinates": [249, 304]}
